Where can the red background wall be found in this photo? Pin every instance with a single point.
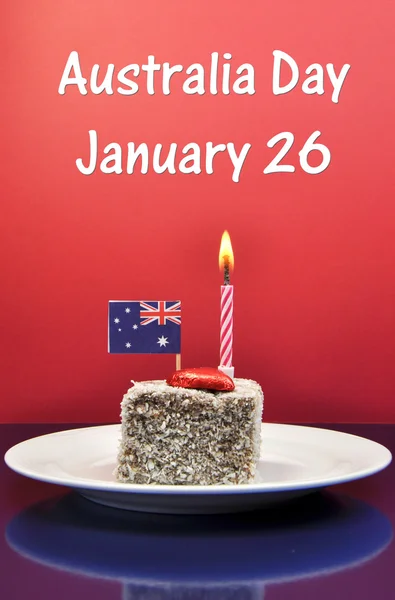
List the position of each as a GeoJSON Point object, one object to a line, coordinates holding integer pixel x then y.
{"type": "Point", "coordinates": [315, 255]}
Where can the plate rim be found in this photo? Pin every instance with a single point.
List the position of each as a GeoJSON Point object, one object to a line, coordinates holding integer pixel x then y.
{"type": "Point", "coordinates": [222, 489]}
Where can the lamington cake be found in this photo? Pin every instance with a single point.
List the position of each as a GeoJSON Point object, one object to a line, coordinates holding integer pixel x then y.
{"type": "Point", "coordinates": [179, 436]}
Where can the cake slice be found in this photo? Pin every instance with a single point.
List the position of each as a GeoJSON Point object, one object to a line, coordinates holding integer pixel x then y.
{"type": "Point", "coordinates": [179, 436]}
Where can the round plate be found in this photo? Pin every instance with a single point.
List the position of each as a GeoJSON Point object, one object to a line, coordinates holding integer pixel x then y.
{"type": "Point", "coordinates": [294, 460]}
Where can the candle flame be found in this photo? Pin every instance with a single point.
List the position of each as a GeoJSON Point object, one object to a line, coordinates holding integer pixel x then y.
{"type": "Point", "coordinates": [226, 259]}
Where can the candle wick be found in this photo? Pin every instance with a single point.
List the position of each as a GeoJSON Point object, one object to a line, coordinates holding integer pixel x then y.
{"type": "Point", "coordinates": [226, 273]}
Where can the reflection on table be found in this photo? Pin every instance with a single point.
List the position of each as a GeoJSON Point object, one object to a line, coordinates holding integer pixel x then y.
{"type": "Point", "coordinates": [182, 557]}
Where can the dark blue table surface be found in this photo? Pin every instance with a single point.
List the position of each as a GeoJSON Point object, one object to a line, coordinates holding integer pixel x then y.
{"type": "Point", "coordinates": [333, 544]}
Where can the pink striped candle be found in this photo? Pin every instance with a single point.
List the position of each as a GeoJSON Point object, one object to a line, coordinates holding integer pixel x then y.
{"type": "Point", "coordinates": [226, 336]}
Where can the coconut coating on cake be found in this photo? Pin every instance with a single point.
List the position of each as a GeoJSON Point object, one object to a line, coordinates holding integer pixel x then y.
{"type": "Point", "coordinates": [180, 436]}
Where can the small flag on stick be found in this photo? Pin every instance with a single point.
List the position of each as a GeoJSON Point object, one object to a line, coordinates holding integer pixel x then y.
{"type": "Point", "coordinates": [144, 327]}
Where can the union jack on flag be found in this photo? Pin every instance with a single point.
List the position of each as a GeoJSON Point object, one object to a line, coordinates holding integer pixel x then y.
{"type": "Point", "coordinates": [144, 327]}
{"type": "Point", "coordinates": [162, 312]}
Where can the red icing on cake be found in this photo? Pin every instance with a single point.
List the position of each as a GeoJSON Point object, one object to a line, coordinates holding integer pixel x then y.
{"type": "Point", "coordinates": [207, 378]}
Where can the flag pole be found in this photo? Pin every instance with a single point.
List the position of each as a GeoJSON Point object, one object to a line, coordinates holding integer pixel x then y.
{"type": "Point", "coordinates": [178, 362]}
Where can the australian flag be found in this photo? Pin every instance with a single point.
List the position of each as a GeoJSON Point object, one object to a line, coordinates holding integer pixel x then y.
{"type": "Point", "coordinates": [144, 327]}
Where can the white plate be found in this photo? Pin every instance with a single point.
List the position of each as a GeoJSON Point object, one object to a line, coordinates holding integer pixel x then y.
{"type": "Point", "coordinates": [294, 460]}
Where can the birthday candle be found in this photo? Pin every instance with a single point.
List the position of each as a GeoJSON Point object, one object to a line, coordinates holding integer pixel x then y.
{"type": "Point", "coordinates": [226, 263]}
